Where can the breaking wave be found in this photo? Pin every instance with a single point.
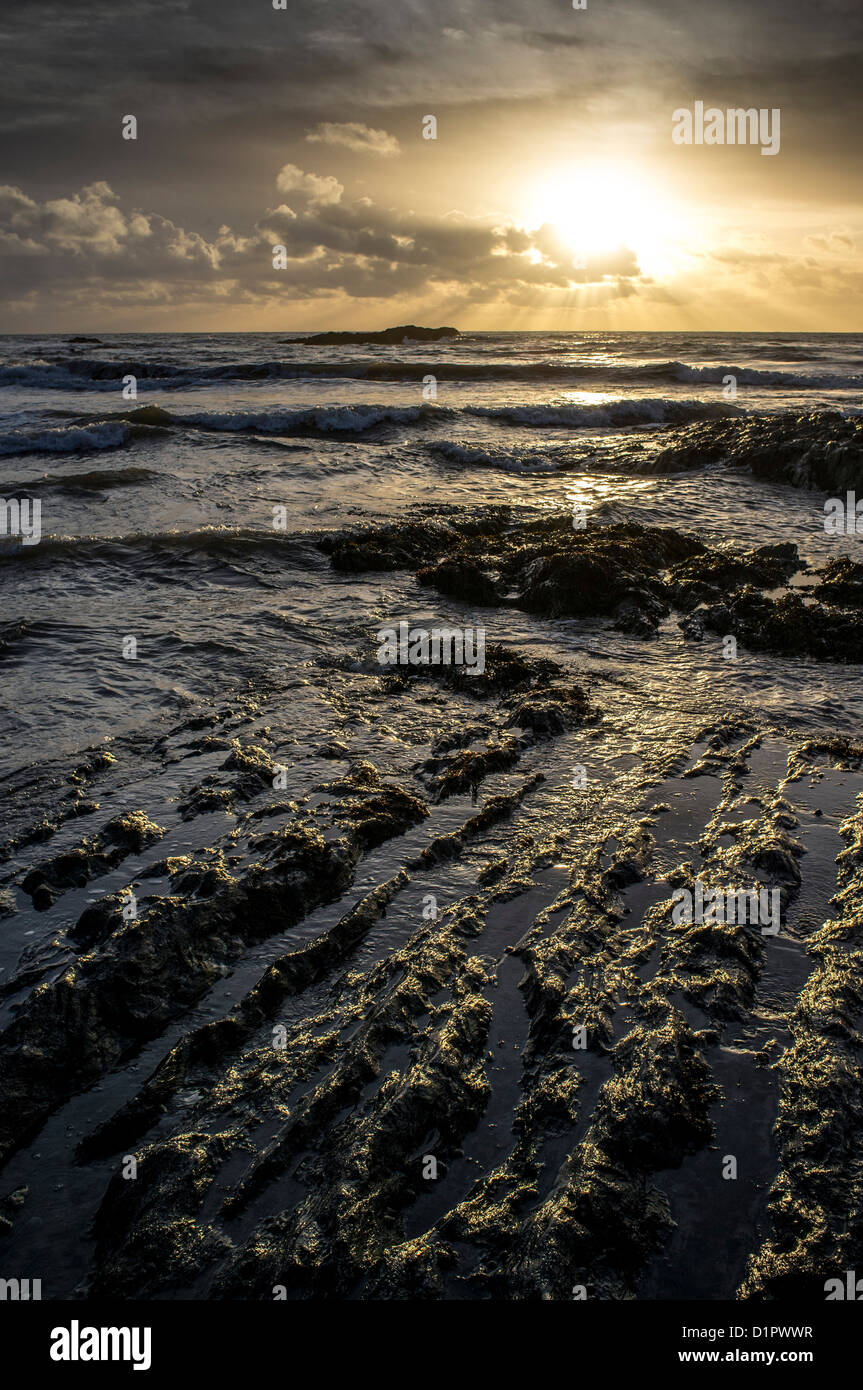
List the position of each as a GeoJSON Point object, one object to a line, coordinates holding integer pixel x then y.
{"type": "Point", "coordinates": [76, 439]}
{"type": "Point", "coordinates": [93, 374]}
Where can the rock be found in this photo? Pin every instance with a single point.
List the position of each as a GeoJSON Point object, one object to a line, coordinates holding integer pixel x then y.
{"type": "Point", "coordinates": [10, 1205]}
{"type": "Point", "coordinates": [788, 626]}
{"type": "Point", "coordinates": [841, 583]}
{"type": "Point", "coordinates": [463, 580]}
{"type": "Point", "coordinates": [334, 750]}
{"type": "Point", "coordinates": [817, 449]}
{"type": "Point", "coordinates": [405, 333]}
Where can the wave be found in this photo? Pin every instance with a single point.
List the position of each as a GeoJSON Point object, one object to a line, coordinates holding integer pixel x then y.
{"type": "Point", "coordinates": [773, 352]}
{"type": "Point", "coordinates": [229, 542]}
{"type": "Point", "coordinates": [93, 480]}
{"type": "Point", "coordinates": [349, 421]}
{"type": "Point", "coordinates": [685, 373]}
{"type": "Point", "coordinates": [92, 374]}
{"type": "Point", "coordinates": [152, 420]}
{"type": "Point", "coordinates": [339, 419]}
{"type": "Point", "coordinates": [653, 410]}
{"type": "Point", "coordinates": [556, 459]}
{"type": "Point", "coordinates": [353, 420]}
{"type": "Point", "coordinates": [76, 439]}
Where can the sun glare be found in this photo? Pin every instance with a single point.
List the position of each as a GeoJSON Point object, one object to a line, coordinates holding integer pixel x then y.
{"type": "Point", "coordinates": [596, 211]}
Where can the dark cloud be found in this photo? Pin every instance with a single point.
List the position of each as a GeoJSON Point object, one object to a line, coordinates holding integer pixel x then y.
{"type": "Point", "coordinates": [228, 91]}
{"type": "Point", "coordinates": [65, 60]}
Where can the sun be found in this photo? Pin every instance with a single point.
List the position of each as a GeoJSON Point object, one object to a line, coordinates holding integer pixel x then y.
{"type": "Point", "coordinates": [597, 210]}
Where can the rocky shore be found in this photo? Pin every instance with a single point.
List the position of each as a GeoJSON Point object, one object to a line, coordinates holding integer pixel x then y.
{"type": "Point", "coordinates": [371, 1014]}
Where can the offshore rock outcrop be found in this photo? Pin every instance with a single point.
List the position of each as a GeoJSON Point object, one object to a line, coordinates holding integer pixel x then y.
{"type": "Point", "coordinates": [405, 333]}
{"type": "Point", "coordinates": [841, 583]}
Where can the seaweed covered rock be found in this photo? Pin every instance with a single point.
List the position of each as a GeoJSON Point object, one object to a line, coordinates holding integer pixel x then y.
{"type": "Point", "coordinates": [708, 577]}
{"type": "Point", "coordinates": [788, 626]}
{"type": "Point", "coordinates": [816, 449]}
{"type": "Point", "coordinates": [463, 579]}
{"type": "Point", "coordinates": [552, 710]}
{"type": "Point", "coordinates": [841, 583]}
{"type": "Point", "coordinates": [120, 837]}
{"type": "Point", "coordinates": [398, 546]}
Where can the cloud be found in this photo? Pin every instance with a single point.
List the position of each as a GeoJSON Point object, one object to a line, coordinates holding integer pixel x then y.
{"type": "Point", "coordinates": [520, 88]}
{"type": "Point", "coordinates": [362, 139]}
{"type": "Point", "coordinates": [88, 243]}
{"type": "Point", "coordinates": [837, 242]}
{"type": "Point", "coordinates": [316, 58]}
{"type": "Point", "coordinates": [88, 220]}
{"type": "Point", "coordinates": [88, 234]}
{"type": "Point", "coordinates": [88, 252]}
{"type": "Point", "coordinates": [309, 187]}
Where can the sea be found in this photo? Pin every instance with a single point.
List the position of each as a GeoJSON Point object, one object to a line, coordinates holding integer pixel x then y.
{"type": "Point", "coordinates": [182, 479]}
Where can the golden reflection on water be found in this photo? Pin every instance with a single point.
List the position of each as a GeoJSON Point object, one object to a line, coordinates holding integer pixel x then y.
{"type": "Point", "coordinates": [589, 397]}
{"type": "Point", "coordinates": [589, 491]}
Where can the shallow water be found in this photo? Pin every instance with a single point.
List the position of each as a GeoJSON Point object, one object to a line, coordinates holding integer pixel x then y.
{"type": "Point", "coordinates": [165, 532]}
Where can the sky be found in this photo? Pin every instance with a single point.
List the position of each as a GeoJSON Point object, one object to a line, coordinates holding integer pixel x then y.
{"type": "Point", "coordinates": [553, 195]}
